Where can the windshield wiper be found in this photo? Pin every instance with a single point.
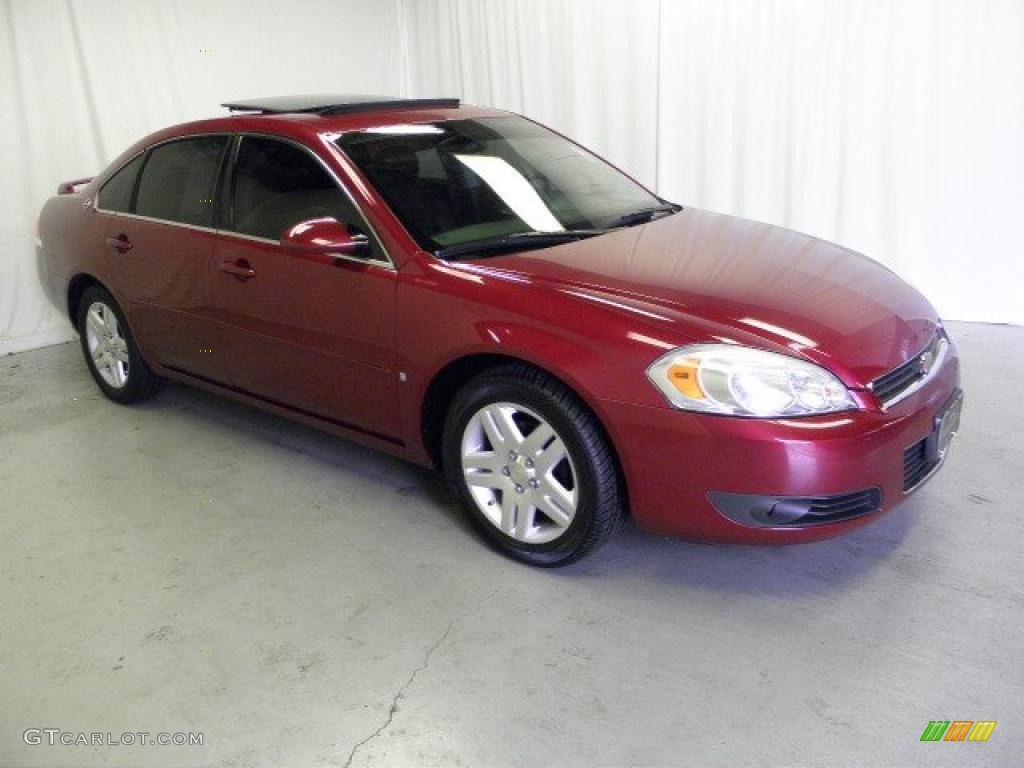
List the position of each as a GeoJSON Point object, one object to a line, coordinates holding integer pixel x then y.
{"type": "Point", "coordinates": [643, 216]}
{"type": "Point", "coordinates": [520, 241]}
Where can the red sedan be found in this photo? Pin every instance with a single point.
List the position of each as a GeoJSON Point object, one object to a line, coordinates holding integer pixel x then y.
{"type": "Point", "coordinates": [465, 288]}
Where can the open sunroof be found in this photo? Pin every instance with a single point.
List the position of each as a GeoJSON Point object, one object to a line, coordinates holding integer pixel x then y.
{"type": "Point", "coordinates": [335, 104]}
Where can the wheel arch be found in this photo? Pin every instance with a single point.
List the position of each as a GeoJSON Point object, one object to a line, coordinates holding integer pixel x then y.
{"type": "Point", "coordinates": [77, 286]}
{"type": "Point", "coordinates": [447, 381]}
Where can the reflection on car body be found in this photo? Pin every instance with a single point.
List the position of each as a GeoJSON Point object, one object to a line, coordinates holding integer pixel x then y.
{"type": "Point", "coordinates": [464, 288]}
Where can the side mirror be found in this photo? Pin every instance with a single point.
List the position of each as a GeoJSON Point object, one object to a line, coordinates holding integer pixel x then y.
{"type": "Point", "coordinates": [326, 235]}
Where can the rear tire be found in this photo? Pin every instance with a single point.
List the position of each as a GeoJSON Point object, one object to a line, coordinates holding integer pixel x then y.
{"type": "Point", "coordinates": [531, 466]}
{"type": "Point", "coordinates": [110, 351]}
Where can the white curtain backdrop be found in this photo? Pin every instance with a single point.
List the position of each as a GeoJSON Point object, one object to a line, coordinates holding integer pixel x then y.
{"type": "Point", "coordinates": [891, 126]}
{"type": "Point", "coordinates": [80, 80]}
{"type": "Point", "coordinates": [895, 127]}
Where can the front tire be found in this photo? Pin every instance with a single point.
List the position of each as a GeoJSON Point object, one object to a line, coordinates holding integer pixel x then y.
{"type": "Point", "coordinates": [532, 467]}
{"type": "Point", "coordinates": [110, 350]}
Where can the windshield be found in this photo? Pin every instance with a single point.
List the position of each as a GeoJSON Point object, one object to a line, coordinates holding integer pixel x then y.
{"type": "Point", "coordinates": [461, 181]}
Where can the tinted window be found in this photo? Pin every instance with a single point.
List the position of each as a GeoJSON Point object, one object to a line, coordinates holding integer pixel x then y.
{"type": "Point", "coordinates": [116, 194]}
{"type": "Point", "coordinates": [178, 179]}
{"type": "Point", "coordinates": [462, 181]}
{"type": "Point", "coordinates": [278, 185]}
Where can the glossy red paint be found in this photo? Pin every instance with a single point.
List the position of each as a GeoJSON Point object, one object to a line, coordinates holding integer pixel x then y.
{"type": "Point", "coordinates": [353, 346]}
{"type": "Point", "coordinates": [289, 336]}
{"type": "Point", "coordinates": [684, 456]}
{"type": "Point", "coordinates": [320, 240]}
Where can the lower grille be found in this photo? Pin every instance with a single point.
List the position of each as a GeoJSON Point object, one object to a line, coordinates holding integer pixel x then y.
{"type": "Point", "coordinates": [824, 509]}
{"type": "Point", "coordinates": [916, 465]}
{"type": "Point", "coordinates": [795, 511]}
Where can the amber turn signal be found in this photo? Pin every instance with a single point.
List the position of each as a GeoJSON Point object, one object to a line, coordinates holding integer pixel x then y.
{"type": "Point", "coordinates": [683, 377]}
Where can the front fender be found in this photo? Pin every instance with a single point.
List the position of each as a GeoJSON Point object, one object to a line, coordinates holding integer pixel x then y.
{"type": "Point", "coordinates": [445, 315]}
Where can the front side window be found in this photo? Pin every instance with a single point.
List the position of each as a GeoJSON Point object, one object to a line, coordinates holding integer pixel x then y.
{"type": "Point", "coordinates": [278, 185]}
{"type": "Point", "coordinates": [464, 181]}
{"type": "Point", "coordinates": [178, 180]}
{"type": "Point", "coordinates": [116, 193]}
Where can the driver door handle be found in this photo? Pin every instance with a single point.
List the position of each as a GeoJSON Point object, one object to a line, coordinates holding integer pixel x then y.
{"type": "Point", "coordinates": [121, 243]}
{"type": "Point", "coordinates": [240, 268]}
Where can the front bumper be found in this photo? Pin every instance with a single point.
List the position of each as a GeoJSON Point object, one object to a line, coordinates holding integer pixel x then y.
{"type": "Point", "coordinates": [676, 462]}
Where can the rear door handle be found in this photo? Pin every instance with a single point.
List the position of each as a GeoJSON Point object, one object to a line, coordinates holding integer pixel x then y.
{"type": "Point", "coordinates": [240, 268]}
{"type": "Point", "coordinates": [121, 243]}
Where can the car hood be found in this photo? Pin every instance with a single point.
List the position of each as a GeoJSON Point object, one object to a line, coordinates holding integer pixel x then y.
{"type": "Point", "coordinates": [824, 302]}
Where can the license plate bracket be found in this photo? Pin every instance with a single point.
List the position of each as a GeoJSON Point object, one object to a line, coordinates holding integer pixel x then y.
{"type": "Point", "coordinates": [946, 424]}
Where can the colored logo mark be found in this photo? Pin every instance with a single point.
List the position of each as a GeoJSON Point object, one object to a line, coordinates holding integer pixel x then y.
{"type": "Point", "coordinates": [958, 730]}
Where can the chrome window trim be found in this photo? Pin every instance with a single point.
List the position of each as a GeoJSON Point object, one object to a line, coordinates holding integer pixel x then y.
{"type": "Point", "coordinates": [143, 151]}
{"type": "Point", "coordinates": [268, 241]}
{"type": "Point", "coordinates": [254, 238]}
{"type": "Point", "coordinates": [168, 222]}
{"type": "Point", "coordinates": [387, 262]}
{"type": "Point", "coordinates": [940, 359]}
{"type": "Point", "coordinates": [121, 167]}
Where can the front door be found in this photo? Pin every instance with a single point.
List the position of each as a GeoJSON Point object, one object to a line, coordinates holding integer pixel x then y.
{"type": "Point", "coordinates": [314, 332]}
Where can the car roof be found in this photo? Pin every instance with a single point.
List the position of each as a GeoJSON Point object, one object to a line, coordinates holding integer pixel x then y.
{"type": "Point", "coordinates": [313, 117]}
{"type": "Point", "coordinates": [305, 116]}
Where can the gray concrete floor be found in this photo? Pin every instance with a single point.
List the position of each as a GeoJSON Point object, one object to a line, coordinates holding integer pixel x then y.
{"type": "Point", "coordinates": [192, 565]}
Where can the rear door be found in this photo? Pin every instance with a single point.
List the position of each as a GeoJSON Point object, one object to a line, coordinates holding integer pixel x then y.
{"type": "Point", "coordinates": [316, 331]}
{"type": "Point", "coordinates": [162, 246]}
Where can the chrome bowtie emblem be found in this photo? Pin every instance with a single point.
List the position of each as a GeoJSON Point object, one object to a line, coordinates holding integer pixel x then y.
{"type": "Point", "coordinates": [925, 361]}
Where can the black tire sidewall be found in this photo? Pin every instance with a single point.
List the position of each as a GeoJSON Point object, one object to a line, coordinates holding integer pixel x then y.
{"type": "Point", "coordinates": [491, 390]}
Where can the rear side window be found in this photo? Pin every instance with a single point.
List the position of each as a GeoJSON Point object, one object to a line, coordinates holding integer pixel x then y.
{"type": "Point", "coordinates": [278, 185]}
{"type": "Point", "coordinates": [116, 194]}
{"type": "Point", "coordinates": [178, 180]}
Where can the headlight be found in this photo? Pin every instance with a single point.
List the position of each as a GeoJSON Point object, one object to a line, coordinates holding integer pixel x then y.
{"type": "Point", "coordinates": [723, 378]}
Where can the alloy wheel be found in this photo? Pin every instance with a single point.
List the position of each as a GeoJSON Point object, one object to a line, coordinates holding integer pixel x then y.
{"type": "Point", "coordinates": [519, 472]}
{"type": "Point", "coordinates": [107, 345]}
